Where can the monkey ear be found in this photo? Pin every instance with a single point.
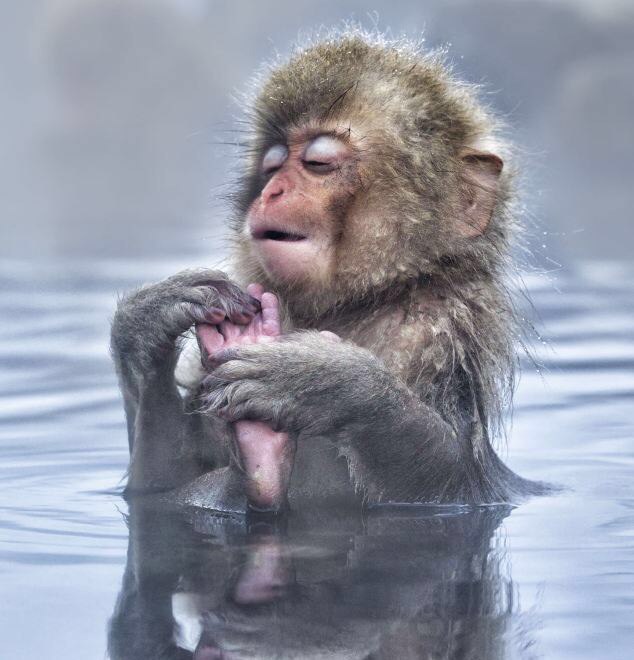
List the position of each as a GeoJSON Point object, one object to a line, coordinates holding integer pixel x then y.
{"type": "Point", "coordinates": [480, 172]}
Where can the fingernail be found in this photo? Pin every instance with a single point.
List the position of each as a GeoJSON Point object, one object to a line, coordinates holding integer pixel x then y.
{"type": "Point", "coordinates": [242, 318]}
{"type": "Point", "coordinates": [214, 314]}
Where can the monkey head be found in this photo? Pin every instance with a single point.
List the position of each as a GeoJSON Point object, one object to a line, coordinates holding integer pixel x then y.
{"type": "Point", "coordinates": [369, 166]}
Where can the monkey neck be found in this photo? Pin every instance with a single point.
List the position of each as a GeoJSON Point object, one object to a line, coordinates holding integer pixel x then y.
{"type": "Point", "coordinates": [335, 308]}
{"type": "Point", "coordinates": [340, 304]}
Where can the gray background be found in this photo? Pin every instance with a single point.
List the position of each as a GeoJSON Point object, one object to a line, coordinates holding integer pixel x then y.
{"type": "Point", "coordinates": [116, 115]}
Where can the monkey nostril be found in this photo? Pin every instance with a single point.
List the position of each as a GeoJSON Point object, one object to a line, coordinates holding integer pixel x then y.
{"type": "Point", "coordinates": [274, 189]}
{"type": "Point", "coordinates": [272, 195]}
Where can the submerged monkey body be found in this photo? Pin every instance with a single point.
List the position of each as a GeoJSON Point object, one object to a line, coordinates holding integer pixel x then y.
{"type": "Point", "coordinates": [373, 206]}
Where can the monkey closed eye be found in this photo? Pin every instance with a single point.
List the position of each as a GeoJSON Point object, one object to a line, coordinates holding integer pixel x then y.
{"type": "Point", "coordinates": [324, 154]}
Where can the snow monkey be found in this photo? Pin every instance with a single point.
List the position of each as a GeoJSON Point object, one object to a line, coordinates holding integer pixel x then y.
{"type": "Point", "coordinates": [373, 215]}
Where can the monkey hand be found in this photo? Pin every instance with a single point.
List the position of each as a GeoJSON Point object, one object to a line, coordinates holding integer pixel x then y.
{"type": "Point", "coordinates": [263, 327]}
{"type": "Point", "coordinates": [266, 456]}
{"type": "Point", "coordinates": [307, 383]}
{"type": "Point", "coordinates": [149, 321]}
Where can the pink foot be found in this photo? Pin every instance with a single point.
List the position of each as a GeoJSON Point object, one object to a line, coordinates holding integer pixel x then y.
{"type": "Point", "coordinates": [267, 456]}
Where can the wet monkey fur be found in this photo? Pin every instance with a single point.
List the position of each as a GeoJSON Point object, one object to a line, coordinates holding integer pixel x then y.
{"type": "Point", "coordinates": [374, 214]}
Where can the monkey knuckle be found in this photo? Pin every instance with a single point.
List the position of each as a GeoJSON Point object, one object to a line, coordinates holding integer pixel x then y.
{"type": "Point", "coordinates": [228, 297]}
{"type": "Point", "coordinates": [230, 289]}
{"type": "Point", "coordinates": [226, 376]}
{"type": "Point", "coordinates": [213, 401]}
{"type": "Point", "coordinates": [218, 393]}
{"type": "Point", "coordinates": [234, 413]}
{"type": "Point", "coordinates": [215, 382]}
{"type": "Point", "coordinates": [228, 372]}
{"type": "Point", "coordinates": [182, 316]}
{"type": "Point", "coordinates": [182, 308]}
{"type": "Point", "coordinates": [254, 353]}
{"type": "Point", "coordinates": [230, 306]}
{"type": "Point", "coordinates": [203, 298]}
{"type": "Point", "coordinates": [230, 394]}
{"type": "Point", "coordinates": [131, 307]}
{"type": "Point", "coordinates": [240, 393]}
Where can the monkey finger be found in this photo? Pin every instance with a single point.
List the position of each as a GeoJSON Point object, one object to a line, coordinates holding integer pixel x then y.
{"type": "Point", "coordinates": [214, 315]}
{"type": "Point", "coordinates": [228, 368]}
{"type": "Point", "coordinates": [233, 369]}
{"type": "Point", "coordinates": [208, 298]}
{"type": "Point", "coordinates": [183, 315]}
{"type": "Point", "coordinates": [254, 329]}
{"type": "Point", "coordinates": [253, 408]}
{"type": "Point", "coordinates": [229, 331]}
{"type": "Point", "coordinates": [256, 290]}
{"type": "Point", "coordinates": [241, 317]}
{"type": "Point", "coordinates": [223, 397]}
{"type": "Point", "coordinates": [270, 315]}
{"type": "Point", "coordinates": [209, 337]}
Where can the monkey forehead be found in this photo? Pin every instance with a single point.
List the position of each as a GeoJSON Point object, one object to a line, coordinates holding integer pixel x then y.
{"type": "Point", "coordinates": [369, 78]}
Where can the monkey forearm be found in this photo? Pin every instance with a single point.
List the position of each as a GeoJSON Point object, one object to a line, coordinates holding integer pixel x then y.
{"type": "Point", "coordinates": [149, 321]}
{"type": "Point", "coordinates": [165, 440]}
{"type": "Point", "coordinates": [406, 453]}
{"type": "Point", "coordinates": [145, 332]}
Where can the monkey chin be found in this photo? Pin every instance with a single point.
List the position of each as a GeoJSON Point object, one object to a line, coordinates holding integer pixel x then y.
{"type": "Point", "coordinates": [293, 261]}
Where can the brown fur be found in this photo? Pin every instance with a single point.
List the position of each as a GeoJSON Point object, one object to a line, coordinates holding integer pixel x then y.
{"type": "Point", "coordinates": [422, 215]}
{"type": "Point", "coordinates": [401, 255]}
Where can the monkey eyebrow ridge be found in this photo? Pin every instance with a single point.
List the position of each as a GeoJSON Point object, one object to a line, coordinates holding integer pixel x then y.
{"type": "Point", "coordinates": [312, 132]}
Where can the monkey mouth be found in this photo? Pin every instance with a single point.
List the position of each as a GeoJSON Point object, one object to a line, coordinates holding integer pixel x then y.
{"type": "Point", "coordinates": [277, 235]}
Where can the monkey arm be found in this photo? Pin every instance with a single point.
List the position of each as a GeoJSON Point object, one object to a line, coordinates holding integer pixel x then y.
{"type": "Point", "coordinates": [398, 447]}
{"type": "Point", "coordinates": [163, 439]}
{"type": "Point", "coordinates": [150, 320]}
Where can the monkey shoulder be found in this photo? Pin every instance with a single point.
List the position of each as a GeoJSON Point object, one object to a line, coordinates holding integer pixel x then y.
{"type": "Point", "coordinates": [415, 339]}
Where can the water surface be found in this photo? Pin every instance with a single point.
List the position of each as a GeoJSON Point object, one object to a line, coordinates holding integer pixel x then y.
{"type": "Point", "coordinates": [553, 578]}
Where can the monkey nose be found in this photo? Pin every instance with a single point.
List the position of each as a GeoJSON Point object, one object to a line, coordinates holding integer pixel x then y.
{"type": "Point", "coordinates": [274, 190]}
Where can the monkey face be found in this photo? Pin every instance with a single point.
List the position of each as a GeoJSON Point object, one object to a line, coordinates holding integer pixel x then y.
{"type": "Point", "coordinates": [296, 221]}
{"type": "Point", "coordinates": [366, 168]}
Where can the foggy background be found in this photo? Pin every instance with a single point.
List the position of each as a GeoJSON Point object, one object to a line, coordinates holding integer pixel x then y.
{"type": "Point", "coordinates": [116, 116]}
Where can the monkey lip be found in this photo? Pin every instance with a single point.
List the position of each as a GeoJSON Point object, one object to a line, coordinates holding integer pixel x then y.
{"type": "Point", "coordinates": [284, 253]}
{"type": "Point", "coordinates": [277, 235]}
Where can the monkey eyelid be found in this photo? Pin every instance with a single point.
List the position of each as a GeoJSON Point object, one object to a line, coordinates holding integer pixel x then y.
{"type": "Point", "coordinates": [274, 157]}
{"type": "Point", "coordinates": [324, 153]}
{"type": "Point", "coordinates": [320, 168]}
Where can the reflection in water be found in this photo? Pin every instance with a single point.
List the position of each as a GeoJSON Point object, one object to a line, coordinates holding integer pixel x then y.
{"type": "Point", "coordinates": [406, 582]}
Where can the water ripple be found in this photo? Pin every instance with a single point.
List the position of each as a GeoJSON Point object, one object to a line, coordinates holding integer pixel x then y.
{"type": "Point", "coordinates": [64, 448]}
